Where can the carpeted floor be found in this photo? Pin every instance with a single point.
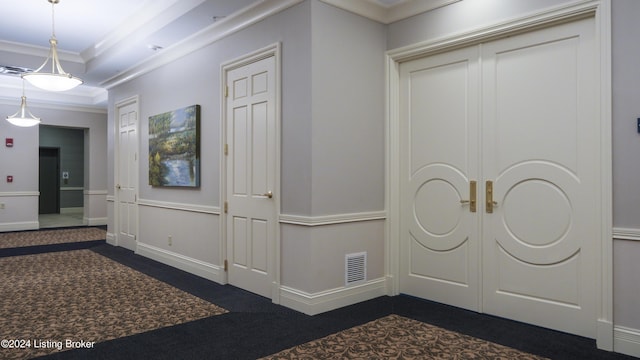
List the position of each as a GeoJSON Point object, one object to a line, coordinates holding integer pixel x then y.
{"type": "Point", "coordinates": [136, 308]}
{"type": "Point", "coordinates": [49, 237]}
{"type": "Point", "coordinates": [83, 296]}
{"type": "Point", "coordinates": [397, 337]}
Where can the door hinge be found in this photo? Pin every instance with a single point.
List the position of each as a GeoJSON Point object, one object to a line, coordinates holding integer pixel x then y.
{"type": "Point", "coordinates": [226, 207]}
{"type": "Point", "coordinates": [226, 91]}
{"type": "Point", "coordinates": [226, 149]}
{"type": "Point", "coordinates": [226, 265]}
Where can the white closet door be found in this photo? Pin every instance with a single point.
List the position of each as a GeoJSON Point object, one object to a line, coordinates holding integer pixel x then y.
{"type": "Point", "coordinates": [251, 171]}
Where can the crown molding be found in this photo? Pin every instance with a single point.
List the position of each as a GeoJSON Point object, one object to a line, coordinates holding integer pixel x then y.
{"type": "Point", "coordinates": [215, 32]}
{"type": "Point", "coordinates": [374, 10]}
{"type": "Point", "coordinates": [152, 17]}
{"type": "Point", "coordinates": [83, 98]}
{"type": "Point", "coordinates": [39, 51]}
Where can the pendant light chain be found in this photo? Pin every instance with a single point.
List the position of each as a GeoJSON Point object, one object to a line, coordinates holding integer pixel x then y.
{"type": "Point", "coordinates": [53, 19]}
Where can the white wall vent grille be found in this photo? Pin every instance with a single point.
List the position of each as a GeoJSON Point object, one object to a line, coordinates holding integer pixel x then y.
{"type": "Point", "coordinates": [355, 268]}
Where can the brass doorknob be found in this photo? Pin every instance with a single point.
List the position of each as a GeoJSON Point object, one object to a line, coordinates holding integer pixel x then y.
{"type": "Point", "coordinates": [268, 194]}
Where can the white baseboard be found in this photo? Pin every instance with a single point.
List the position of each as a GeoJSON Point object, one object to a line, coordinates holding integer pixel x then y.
{"type": "Point", "coordinates": [316, 303]}
{"type": "Point", "coordinates": [197, 267]}
{"type": "Point", "coordinates": [626, 341]}
{"type": "Point", "coordinates": [111, 239]}
{"type": "Point", "coordinates": [19, 226]}
{"type": "Point", "coordinates": [71, 210]}
{"type": "Point", "coordinates": [95, 221]}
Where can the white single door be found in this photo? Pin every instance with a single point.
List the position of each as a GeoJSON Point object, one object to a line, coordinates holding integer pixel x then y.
{"type": "Point", "coordinates": [541, 151]}
{"type": "Point", "coordinates": [524, 123]}
{"type": "Point", "coordinates": [251, 164]}
{"type": "Point", "coordinates": [127, 176]}
{"type": "Point", "coordinates": [439, 173]}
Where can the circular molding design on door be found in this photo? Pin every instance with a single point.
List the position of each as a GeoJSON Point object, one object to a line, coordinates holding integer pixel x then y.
{"type": "Point", "coordinates": [535, 222]}
{"type": "Point", "coordinates": [539, 220]}
{"type": "Point", "coordinates": [443, 219]}
{"type": "Point", "coordinates": [437, 216]}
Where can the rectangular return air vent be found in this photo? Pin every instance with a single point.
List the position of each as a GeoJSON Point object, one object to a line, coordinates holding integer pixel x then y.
{"type": "Point", "coordinates": [355, 268]}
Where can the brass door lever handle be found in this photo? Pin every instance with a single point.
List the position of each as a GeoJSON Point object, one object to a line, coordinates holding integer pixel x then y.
{"type": "Point", "coordinates": [268, 194]}
{"type": "Point", "coordinates": [472, 197]}
{"type": "Point", "coordinates": [489, 196]}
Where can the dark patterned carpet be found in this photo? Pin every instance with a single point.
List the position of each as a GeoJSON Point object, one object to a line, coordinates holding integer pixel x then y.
{"type": "Point", "coordinates": [83, 296]}
{"type": "Point", "coordinates": [49, 237]}
{"type": "Point", "coordinates": [57, 286]}
{"type": "Point", "coordinates": [397, 337]}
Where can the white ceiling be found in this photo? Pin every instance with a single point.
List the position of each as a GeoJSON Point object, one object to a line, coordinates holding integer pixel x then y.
{"type": "Point", "coordinates": [100, 39]}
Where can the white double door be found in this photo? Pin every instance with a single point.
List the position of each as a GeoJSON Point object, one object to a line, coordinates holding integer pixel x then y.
{"type": "Point", "coordinates": [500, 178]}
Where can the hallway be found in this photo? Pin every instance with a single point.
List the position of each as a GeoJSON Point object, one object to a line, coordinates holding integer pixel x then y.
{"type": "Point", "coordinates": [66, 218]}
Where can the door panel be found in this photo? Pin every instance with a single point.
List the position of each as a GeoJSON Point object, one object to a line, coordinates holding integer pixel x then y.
{"type": "Point", "coordinates": [127, 181]}
{"type": "Point", "coordinates": [251, 171]}
{"type": "Point", "coordinates": [441, 242]}
{"type": "Point", "coordinates": [539, 122]}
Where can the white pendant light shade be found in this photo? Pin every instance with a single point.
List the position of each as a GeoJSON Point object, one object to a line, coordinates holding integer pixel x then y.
{"type": "Point", "coordinates": [57, 79]}
{"type": "Point", "coordinates": [53, 82]}
{"type": "Point", "coordinates": [23, 117]}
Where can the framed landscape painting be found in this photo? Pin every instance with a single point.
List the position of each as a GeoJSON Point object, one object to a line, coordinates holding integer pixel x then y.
{"type": "Point", "coordinates": [174, 148]}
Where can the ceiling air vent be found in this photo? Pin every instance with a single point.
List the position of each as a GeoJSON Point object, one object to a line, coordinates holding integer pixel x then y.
{"type": "Point", "coordinates": [14, 70]}
{"type": "Point", "coordinates": [355, 268]}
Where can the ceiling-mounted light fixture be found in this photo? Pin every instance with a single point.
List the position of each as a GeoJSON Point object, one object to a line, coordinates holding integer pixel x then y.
{"type": "Point", "coordinates": [23, 117]}
{"type": "Point", "coordinates": [57, 79]}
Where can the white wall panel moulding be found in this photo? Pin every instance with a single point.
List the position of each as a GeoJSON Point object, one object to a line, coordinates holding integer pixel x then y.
{"type": "Point", "coordinates": [332, 219]}
{"type": "Point", "coordinates": [19, 193]}
{"type": "Point", "coordinates": [626, 234]}
{"type": "Point", "coordinates": [214, 210]}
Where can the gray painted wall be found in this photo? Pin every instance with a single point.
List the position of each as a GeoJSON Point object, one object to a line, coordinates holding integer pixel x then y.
{"type": "Point", "coordinates": [22, 211]}
{"type": "Point", "coordinates": [348, 144]}
{"type": "Point", "coordinates": [195, 79]}
{"type": "Point", "coordinates": [626, 149]}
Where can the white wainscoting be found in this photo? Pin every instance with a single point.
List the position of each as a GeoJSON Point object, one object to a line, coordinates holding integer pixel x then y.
{"type": "Point", "coordinates": [316, 303]}
{"type": "Point", "coordinates": [331, 237]}
{"type": "Point", "coordinates": [19, 226]}
{"type": "Point", "coordinates": [20, 210]}
{"type": "Point", "coordinates": [111, 237]}
{"type": "Point", "coordinates": [194, 233]}
{"type": "Point", "coordinates": [626, 341]}
{"type": "Point", "coordinates": [185, 263]}
{"type": "Point", "coordinates": [95, 207]}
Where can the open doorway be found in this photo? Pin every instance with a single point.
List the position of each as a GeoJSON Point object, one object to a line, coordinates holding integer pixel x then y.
{"type": "Point", "coordinates": [61, 177]}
